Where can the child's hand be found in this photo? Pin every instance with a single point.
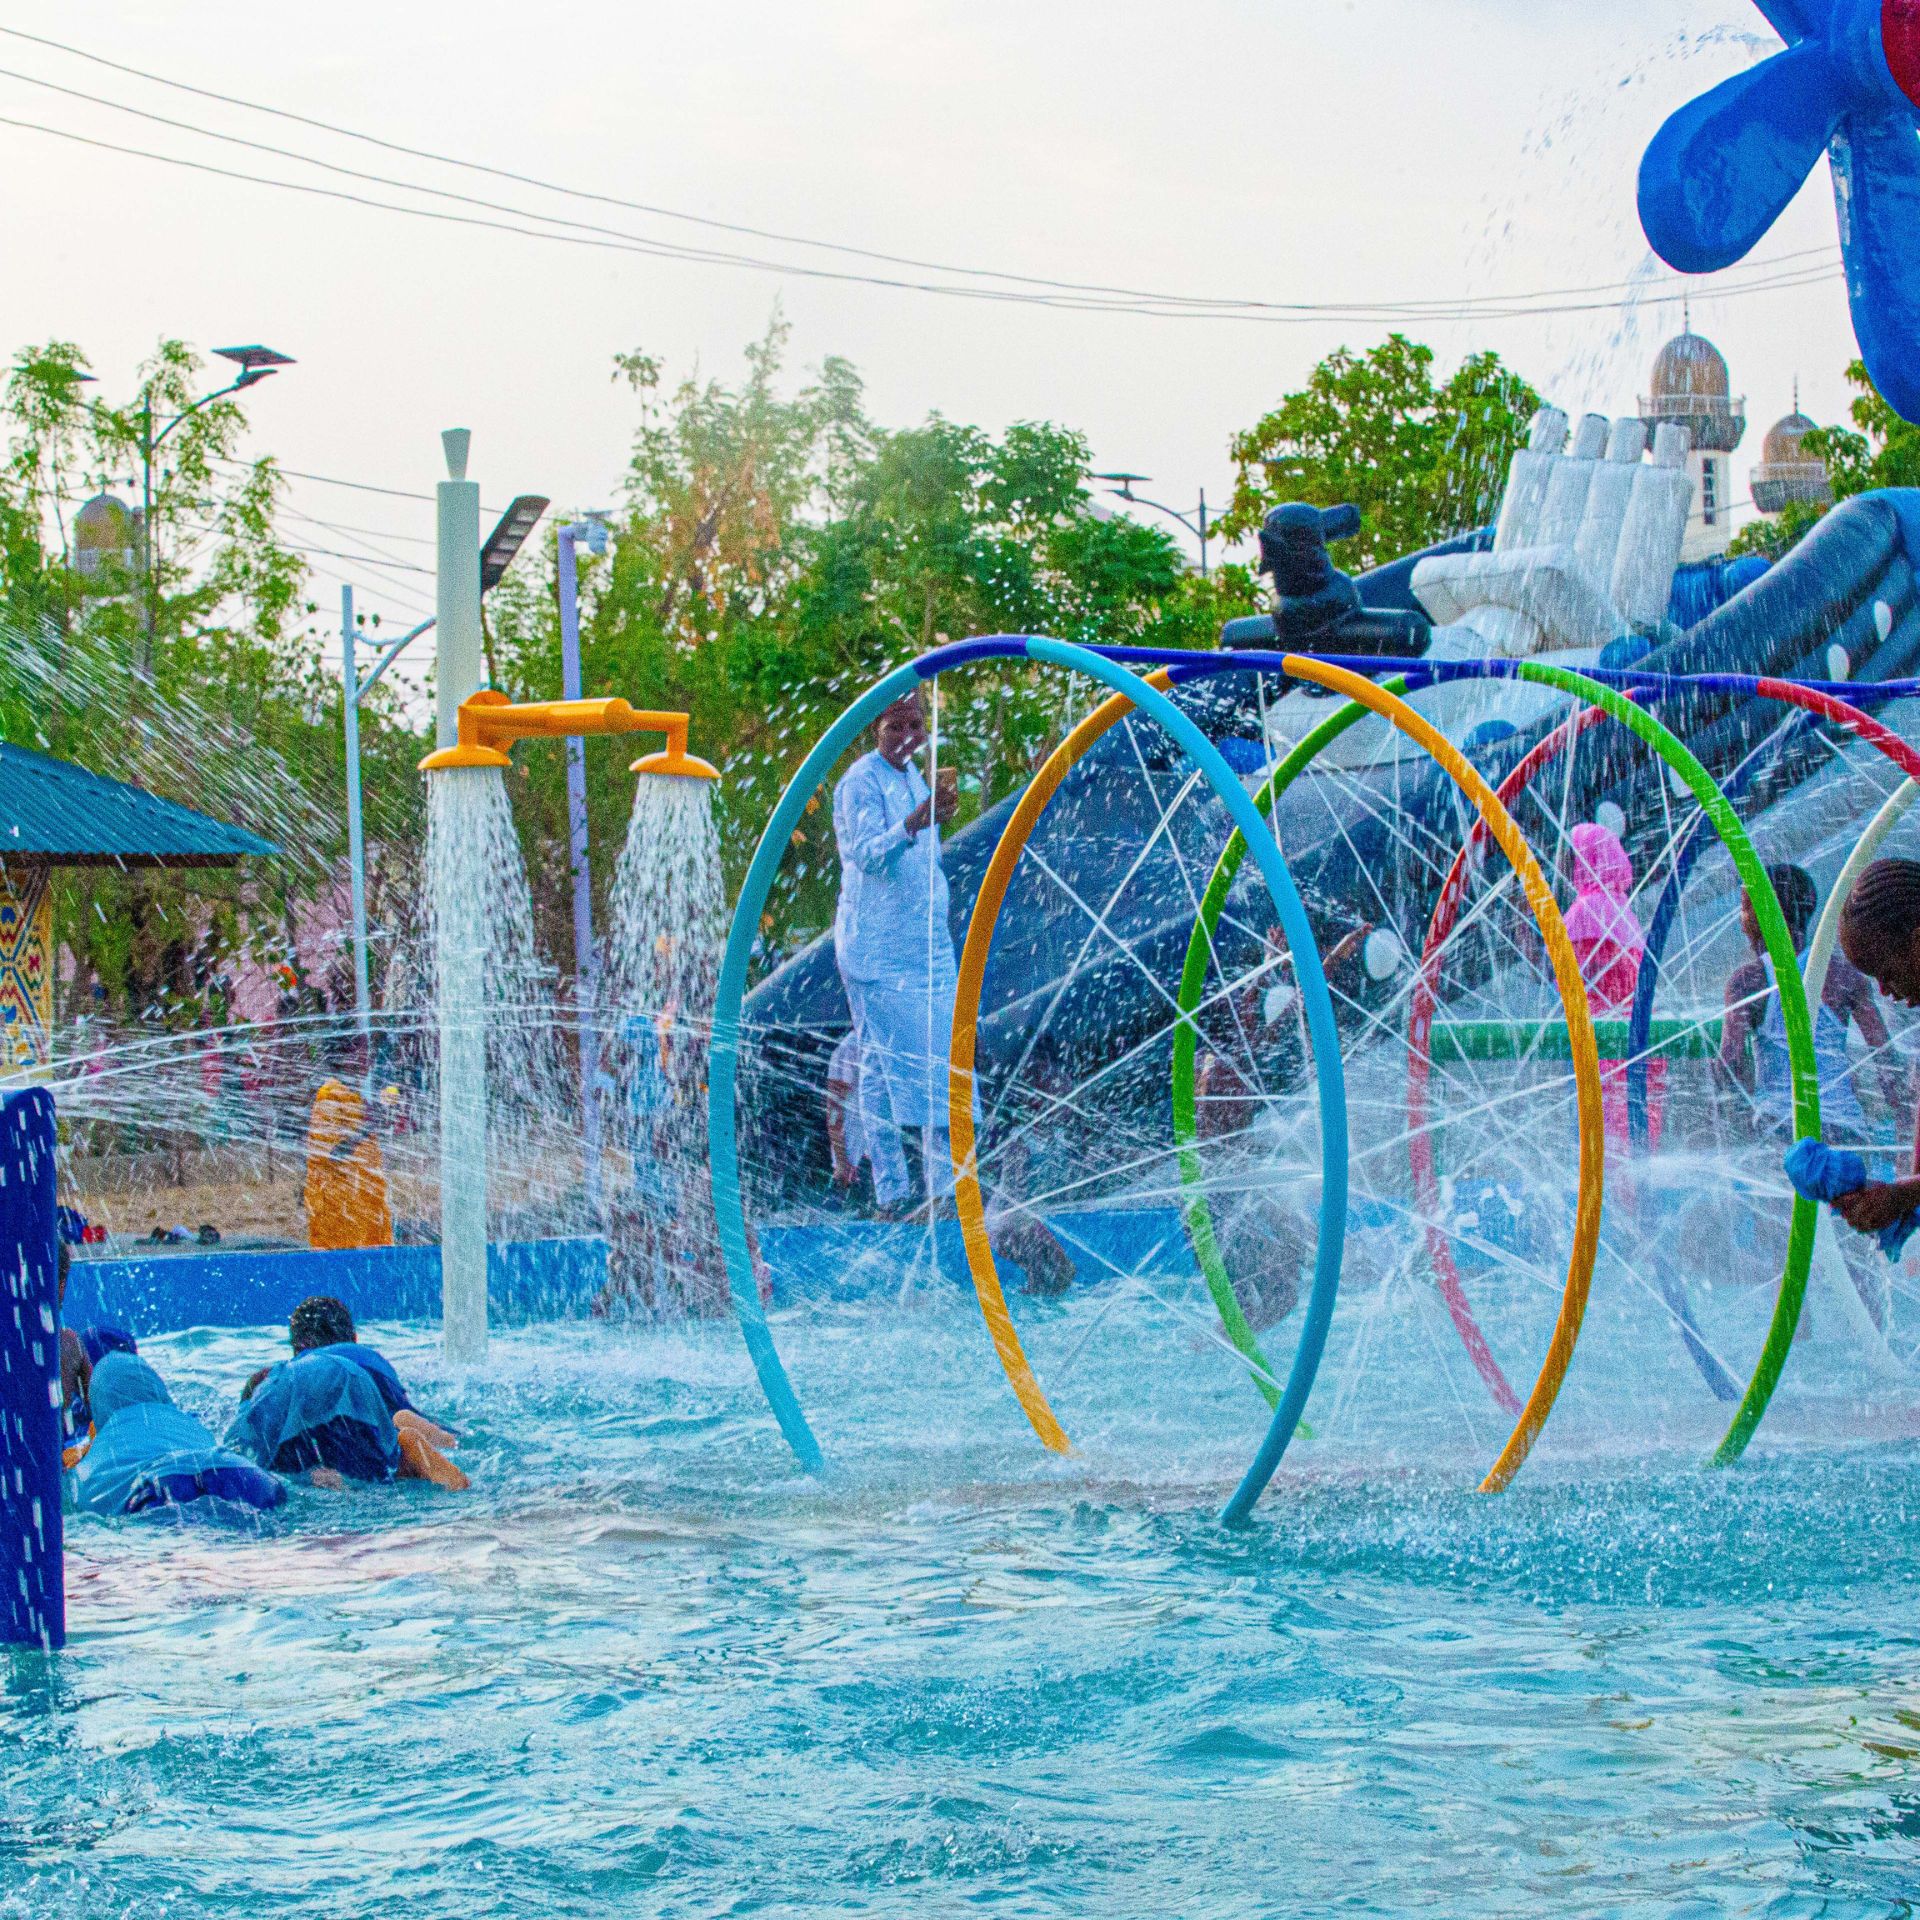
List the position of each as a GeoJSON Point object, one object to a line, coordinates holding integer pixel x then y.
{"type": "Point", "coordinates": [1873, 1209]}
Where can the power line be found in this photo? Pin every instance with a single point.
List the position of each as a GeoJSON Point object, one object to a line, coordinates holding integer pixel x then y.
{"type": "Point", "coordinates": [723, 226]}
{"type": "Point", "coordinates": [1296, 318]}
{"type": "Point", "coordinates": [339, 532]}
{"type": "Point", "coordinates": [1087, 298]}
{"type": "Point", "coordinates": [367, 560]}
{"type": "Point", "coordinates": [356, 486]}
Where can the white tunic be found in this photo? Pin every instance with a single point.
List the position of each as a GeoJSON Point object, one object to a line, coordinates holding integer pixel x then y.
{"type": "Point", "coordinates": [890, 928]}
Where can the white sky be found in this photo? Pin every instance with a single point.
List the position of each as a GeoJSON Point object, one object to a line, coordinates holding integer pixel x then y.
{"type": "Point", "coordinates": [1360, 151]}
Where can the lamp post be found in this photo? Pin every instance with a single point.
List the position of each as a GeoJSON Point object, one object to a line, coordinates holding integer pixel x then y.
{"type": "Point", "coordinates": [357, 691]}
{"type": "Point", "coordinates": [592, 530]}
{"type": "Point", "coordinates": [256, 363]}
{"type": "Point", "coordinates": [1195, 521]}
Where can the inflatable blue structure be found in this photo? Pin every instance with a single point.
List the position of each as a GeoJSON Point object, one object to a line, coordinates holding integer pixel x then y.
{"type": "Point", "coordinates": [33, 1604]}
{"type": "Point", "coordinates": [1723, 169]}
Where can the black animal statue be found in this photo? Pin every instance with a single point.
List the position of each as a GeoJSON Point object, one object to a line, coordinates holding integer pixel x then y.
{"type": "Point", "coordinates": [1316, 607]}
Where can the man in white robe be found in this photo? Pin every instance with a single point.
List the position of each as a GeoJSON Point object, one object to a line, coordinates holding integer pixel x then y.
{"type": "Point", "coordinates": [895, 951]}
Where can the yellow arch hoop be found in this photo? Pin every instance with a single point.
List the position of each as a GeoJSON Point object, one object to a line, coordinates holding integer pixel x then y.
{"type": "Point", "coordinates": [1586, 1056]}
{"type": "Point", "coordinates": [967, 1199]}
{"type": "Point", "coordinates": [1585, 1053]}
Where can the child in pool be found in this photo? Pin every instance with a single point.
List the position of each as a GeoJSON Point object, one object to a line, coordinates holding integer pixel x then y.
{"type": "Point", "coordinates": [337, 1410]}
{"type": "Point", "coordinates": [1880, 934]}
{"type": "Point", "coordinates": [1607, 939]}
{"type": "Point", "coordinates": [146, 1453]}
{"type": "Point", "coordinates": [1753, 1020]}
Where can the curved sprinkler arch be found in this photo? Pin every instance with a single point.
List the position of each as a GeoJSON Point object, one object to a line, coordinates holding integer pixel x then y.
{"type": "Point", "coordinates": [1586, 1061]}
{"type": "Point", "coordinates": [1793, 1006]}
{"type": "Point", "coordinates": [1813, 704]}
{"type": "Point", "coordinates": [1720, 1383]}
{"type": "Point", "coordinates": [1827, 933]}
{"type": "Point", "coordinates": [1420, 1012]}
{"type": "Point", "coordinates": [984, 923]}
{"type": "Point", "coordinates": [723, 1076]}
{"type": "Point", "coordinates": [1321, 1029]}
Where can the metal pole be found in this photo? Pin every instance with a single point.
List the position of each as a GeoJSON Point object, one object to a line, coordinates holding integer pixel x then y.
{"type": "Point", "coordinates": [458, 924]}
{"type": "Point", "coordinates": [146, 533]}
{"type": "Point", "coordinates": [1203, 533]}
{"type": "Point", "coordinates": [586, 961]}
{"type": "Point", "coordinates": [356, 841]}
{"type": "Point", "coordinates": [457, 636]}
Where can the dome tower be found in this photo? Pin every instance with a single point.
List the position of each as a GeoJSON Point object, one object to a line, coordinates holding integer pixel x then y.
{"type": "Point", "coordinates": [1692, 389]}
{"type": "Point", "coordinates": [1788, 475]}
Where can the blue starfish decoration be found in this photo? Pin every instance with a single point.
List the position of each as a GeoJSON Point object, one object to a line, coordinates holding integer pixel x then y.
{"type": "Point", "coordinates": [1722, 170]}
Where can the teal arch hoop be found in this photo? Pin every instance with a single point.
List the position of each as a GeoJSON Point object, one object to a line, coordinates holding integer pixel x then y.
{"type": "Point", "coordinates": [730, 992]}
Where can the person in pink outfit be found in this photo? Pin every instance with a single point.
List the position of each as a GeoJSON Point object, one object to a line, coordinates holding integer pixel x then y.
{"type": "Point", "coordinates": [1609, 942]}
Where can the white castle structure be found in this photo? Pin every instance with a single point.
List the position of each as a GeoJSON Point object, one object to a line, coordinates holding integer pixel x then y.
{"type": "Point", "coordinates": [1597, 517]}
{"type": "Point", "coordinates": [1596, 520]}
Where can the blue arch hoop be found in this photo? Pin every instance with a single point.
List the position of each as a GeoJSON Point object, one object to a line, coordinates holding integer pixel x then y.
{"type": "Point", "coordinates": [730, 993]}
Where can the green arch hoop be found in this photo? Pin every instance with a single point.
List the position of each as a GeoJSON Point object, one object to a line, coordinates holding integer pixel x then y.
{"type": "Point", "coordinates": [1774, 934]}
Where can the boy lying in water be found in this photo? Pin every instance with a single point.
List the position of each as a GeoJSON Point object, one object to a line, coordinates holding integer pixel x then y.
{"type": "Point", "coordinates": [144, 1453]}
{"type": "Point", "coordinates": [337, 1410]}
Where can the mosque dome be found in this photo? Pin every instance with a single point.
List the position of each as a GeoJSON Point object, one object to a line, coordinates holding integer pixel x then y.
{"type": "Point", "coordinates": [1691, 368]}
{"type": "Point", "coordinates": [1788, 474]}
{"type": "Point", "coordinates": [105, 533]}
{"type": "Point", "coordinates": [1692, 388]}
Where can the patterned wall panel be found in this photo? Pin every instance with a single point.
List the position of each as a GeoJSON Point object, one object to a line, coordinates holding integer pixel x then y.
{"type": "Point", "coordinates": [26, 965]}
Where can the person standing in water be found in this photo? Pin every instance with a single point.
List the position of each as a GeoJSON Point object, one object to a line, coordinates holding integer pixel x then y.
{"type": "Point", "coordinates": [346, 1190]}
{"type": "Point", "coordinates": [1880, 935]}
{"type": "Point", "coordinates": [1753, 1019]}
{"type": "Point", "coordinates": [894, 948]}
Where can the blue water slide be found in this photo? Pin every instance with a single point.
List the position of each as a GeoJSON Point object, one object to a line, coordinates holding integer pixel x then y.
{"type": "Point", "coordinates": [1842, 604]}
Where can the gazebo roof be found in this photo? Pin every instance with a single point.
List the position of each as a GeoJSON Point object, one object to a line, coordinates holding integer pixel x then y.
{"type": "Point", "coordinates": [53, 811]}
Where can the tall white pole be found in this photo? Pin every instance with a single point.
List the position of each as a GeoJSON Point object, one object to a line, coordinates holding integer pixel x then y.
{"type": "Point", "coordinates": [461, 964]}
{"type": "Point", "coordinates": [461, 655]}
{"type": "Point", "coordinates": [586, 961]}
{"type": "Point", "coordinates": [356, 838]}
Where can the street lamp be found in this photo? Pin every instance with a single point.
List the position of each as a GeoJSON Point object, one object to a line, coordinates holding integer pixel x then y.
{"type": "Point", "coordinates": [508, 537]}
{"type": "Point", "coordinates": [1195, 522]}
{"type": "Point", "coordinates": [256, 363]}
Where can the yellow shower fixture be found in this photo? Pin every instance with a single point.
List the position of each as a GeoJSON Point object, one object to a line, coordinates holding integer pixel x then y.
{"type": "Point", "coordinates": [490, 723]}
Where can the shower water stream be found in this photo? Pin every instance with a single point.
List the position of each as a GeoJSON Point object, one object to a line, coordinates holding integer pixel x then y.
{"type": "Point", "coordinates": [668, 922]}
{"type": "Point", "coordinates": [496, 1021]}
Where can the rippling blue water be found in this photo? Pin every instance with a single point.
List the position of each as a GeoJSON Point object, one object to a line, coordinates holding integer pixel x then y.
{"type": "Point", "coordinates": [644, 1669]}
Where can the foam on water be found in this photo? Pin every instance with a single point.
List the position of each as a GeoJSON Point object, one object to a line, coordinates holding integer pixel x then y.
{"type": "Point", "coordinates": [646, 1667]}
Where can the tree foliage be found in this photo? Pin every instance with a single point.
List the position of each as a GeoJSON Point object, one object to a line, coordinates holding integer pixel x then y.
{"type": "Point", "coordinates": [777, 551]}
{"type": "Point", "coordinates": [1878, 450]}
{"type": "Point", "coordinates": [1421, 461]}
{"type": "Point", "coordinates": [226, 708]}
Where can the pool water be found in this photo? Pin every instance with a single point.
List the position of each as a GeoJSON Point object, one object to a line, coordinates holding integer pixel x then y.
{"type": "Point", "coordinates": [644, 1668]}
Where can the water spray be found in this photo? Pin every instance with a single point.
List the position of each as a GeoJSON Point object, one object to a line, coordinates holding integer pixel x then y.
{"type": "Point", "coordinates": [485, 725]}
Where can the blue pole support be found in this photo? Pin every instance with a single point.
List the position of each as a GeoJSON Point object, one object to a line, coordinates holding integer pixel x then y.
{"type": "Point", "coordinates": [33, 1601]}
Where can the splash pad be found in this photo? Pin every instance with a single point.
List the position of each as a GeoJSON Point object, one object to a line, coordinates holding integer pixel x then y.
{"type": "Point", "coordinates": [1622, 696]}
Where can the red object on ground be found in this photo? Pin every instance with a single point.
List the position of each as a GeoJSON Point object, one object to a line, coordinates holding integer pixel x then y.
{"type": "Point", "coordinates": [1900, 35]}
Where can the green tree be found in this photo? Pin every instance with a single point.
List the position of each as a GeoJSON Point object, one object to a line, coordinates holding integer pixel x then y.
{"type": "Point", "coordinates": [1421, 462]}
{"type": "Point", "coordinates": [1774, 539]}
{"type": "Point", "coordinates": [1881, 450]}
{"type": "Point", "coordinates": [227, 710]}
{"type": "Point", "coordinates": [776, 552]}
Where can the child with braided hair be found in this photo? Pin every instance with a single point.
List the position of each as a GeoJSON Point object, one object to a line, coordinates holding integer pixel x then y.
{"type": "Point", "coordinates": [1880, 934]}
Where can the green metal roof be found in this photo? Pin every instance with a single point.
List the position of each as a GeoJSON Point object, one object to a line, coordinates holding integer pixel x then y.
{"type": "Point", "coordinates": [52, 810]}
